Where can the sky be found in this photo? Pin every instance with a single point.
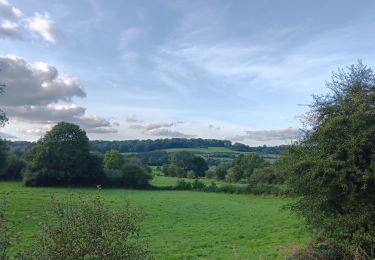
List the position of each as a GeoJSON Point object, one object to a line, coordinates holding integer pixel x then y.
{"type": "Point", "coordinates": [241, 70]}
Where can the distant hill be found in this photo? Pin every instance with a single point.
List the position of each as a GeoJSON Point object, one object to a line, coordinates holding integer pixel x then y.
{"type": "Point", "coordinates": [140, 146]}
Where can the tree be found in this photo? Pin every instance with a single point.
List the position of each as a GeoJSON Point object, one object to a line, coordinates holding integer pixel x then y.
{"type": "Point", "coordinates": [243, 166]}
{"type": "Point", "coordinates": [199, 166]}
{"type": "Point", "coordinates": [135, 176]}
{"type": "Point", "coordinates": [113, 160]}
{"type": "Point", "coordinates": [332, 168]}
{"type": "Point", "coordinates": [3, 117]}
{"type": "Point", "coordinates": [63, 158]}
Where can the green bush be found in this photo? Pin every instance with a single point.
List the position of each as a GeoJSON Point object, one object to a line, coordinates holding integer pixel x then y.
{"type": "Point", "coordinates": [86, 229]}
{"type": "Point", "coordinates": [14, 170]}
{"type": "Point", "coordinates": [135, 176]}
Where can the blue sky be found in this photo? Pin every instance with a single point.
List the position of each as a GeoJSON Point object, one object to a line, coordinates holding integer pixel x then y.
{"type": "Point", "coordinates": [237, 70]}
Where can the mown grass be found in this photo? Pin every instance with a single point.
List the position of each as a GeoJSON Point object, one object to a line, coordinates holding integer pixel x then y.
{"type": "Point", "coordinates": [182, 224]}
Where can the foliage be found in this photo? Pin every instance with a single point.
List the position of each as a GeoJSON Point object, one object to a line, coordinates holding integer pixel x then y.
{"type": "Point", "coordinates": [135, 176]}
{"type": "Point", "coordinates": [4, 157]}
{"type": "Point", "coordinates": [3, 117]}
{"type": "Point", "coordinates": [86, 229]}
{"type": "Point", "coordinates": [63, 158]}
{"type": "Point", "coordinates": [173, 171]}
{"type": "Point", "coordinates": [332, 170]}
{"type": "Point", "coordinates": [14, 169]}
{"type": "Point", "coordinates": [185, 164]}
{"type": "Point", "coordinates": [243, 166]}
{"type": "Point", "coordinates": [113, 160]}
{"type": "Point", "coordinates": [268, 174]}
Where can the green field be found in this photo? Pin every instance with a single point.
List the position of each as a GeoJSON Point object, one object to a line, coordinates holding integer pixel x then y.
{"type": "Point", "coordinates": [162, 181]}
{"type": "Point", "coordinates": [182, 224]}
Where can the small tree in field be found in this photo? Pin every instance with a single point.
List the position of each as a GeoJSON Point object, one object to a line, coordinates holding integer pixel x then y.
{"type": "Point", "coordinates": [332, 169]}
{"type": "Point", "coordinates": [62, 157]}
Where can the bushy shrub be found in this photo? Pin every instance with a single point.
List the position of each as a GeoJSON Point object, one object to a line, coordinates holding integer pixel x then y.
{"type": "Point", "coordinates": [86, 229]}
{"type": "Point", "coordinates": [183, 185]}
{"type": "Point", "coordinates": [135, 176]}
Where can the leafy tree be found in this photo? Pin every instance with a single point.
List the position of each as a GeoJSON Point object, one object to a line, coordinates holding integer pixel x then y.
{"type": "Point", "coordinates": [199, 166]}
{"type": "Point", "coordinates": [189, 162]}
{"type": "Point", "coordinates": [113, 160]}
{"type": "Point", "coordinates": [3, 117]}
{"type": "Point", "coordinates": [332, 169]}
{"type": "Point", "coordinates": [221, 171]}
{"type": "Point", "coordinates": [63, 158]}
{"type": "Point", "coordinates": [173, 170]}
{"type": "Point", "coordinates": [4, 157]}
{"type": "Point", "coordinates": [244, 165]}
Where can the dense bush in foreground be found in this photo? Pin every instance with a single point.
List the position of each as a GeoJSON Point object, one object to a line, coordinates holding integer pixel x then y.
{"type": "Point", "coordinates": [332, 170]}
{"type": "Point", "coordinates": [80, 229]}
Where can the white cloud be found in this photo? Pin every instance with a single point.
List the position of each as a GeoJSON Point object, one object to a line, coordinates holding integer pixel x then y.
{"type": "Point", "coordinates": [6, 136]}
{"type": "Point", "coordinates": [34, 92]}
{"type": "Point", "coordinates": [10, 30]}
{"type": "Point", "coordinates": [8, 11]}
{"type": "Point", "coordinates": [133, 119]}
{"type": "Point", "coordinates": [42, 25]}
{"type": "Point", "coordinates": [162, 132]}
{"type": "Point", "coordinates": [284, 134]}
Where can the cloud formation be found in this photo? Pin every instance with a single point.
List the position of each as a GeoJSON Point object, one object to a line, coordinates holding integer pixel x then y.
{"type": "Point", "coordinates": [36, 83]}
{"type": "Point", "coordinates": [8, 11]}
{"type": "Point", "coordinates": [42, 25]}
{"type": "Point", "coordinates": [16, 27]}
{"type": "Point", "coordinates": [34, 92]}
{"type": "Point", "coordinates": [7, 136]}
{"type": "Point", "coordinates": [168, 133]}
{"type": "Point", "coordinates": [285, 134]}
{"type": "Point", "coordinates": [10, 30]}
{"type": "Point", "coordinates": [160, 130]}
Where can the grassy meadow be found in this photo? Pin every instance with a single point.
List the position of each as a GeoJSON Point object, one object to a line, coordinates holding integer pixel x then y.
{"type": "Point", "coordinates": [183, 224]}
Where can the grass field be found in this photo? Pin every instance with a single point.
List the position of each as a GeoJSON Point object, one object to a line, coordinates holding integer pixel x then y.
{"type": "Point", "coordinates": [161, 181]}
{"type": "Point", "coordinates": [185, 225]}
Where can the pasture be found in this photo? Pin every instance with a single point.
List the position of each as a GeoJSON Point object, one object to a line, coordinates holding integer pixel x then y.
{"type": "Point", "coordinates": [183, 224]}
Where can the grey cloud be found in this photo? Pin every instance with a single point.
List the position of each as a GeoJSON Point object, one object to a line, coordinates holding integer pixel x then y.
{"type": "Point", "coordinates": [168, 133]}
{"type": "Point", "coordinates": [42, 114]}
{"type": "Point", "coordinates": [149, 127]}
{"type": "Point", "coordinates": [6, 136]}
{"type": "Point", "coordinates": [269, 135]}
{"type": "Point", "coordinates": [36, 83]}
{"type": "Point", "coordinates": [10, 30]}
{"type": "Point", "coordinates": [33, 91]}
{"type": "Point", "coordinates": [133, 119]}
{"type": "Point", "coordinates": [8, 11]}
